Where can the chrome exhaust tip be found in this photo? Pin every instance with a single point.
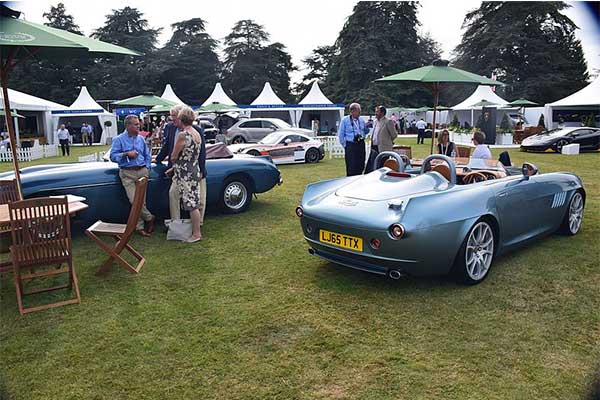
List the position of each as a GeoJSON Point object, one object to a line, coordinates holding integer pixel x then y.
{"type": "Point", "coordinates": [395, 274]}
{"type": "Point", "coordinates": [311, 251]}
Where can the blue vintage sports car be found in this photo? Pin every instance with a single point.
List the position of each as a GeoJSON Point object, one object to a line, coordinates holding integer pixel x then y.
{"type": "Point", "coordinates": [440, 218]}
{"type": "Point", "coordinates": [231, 182]}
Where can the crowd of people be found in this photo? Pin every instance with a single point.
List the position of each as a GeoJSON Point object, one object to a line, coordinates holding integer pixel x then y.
{"type": "Point", "coordinates": [185, 151]}
{"type": "Point", "coordinates": [383, 131]}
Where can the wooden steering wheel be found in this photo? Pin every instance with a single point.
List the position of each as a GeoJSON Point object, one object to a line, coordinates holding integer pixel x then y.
{"type": "Point", "coordinates": [473, 177]}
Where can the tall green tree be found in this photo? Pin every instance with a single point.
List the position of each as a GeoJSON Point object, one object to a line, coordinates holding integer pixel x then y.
{"type": "Point", "coordinates": [250, 62]}
{"type": "Point", "coordinates": [62, 78]}
{"type": "Point", "coordinates": [531, 46]}
{"type": "Point", "coordinates": [124, 76]}
{"type": "Point", "coordinates": [379, 38]}
{"type": "Point", "coordinates": [188, 61]}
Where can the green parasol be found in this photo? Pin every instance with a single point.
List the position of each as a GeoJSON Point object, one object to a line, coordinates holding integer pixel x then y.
{"type": "Point", "coordinates": [522, 103]}
{"type": "Point", "coordinates": [434, 76]}
{"type": "Point", "coordinates": [12, 114]}
{"type": "Point", "coordinates": [217, 108]}
{"type": "Point", "coordinates": [484, 103]}
{"type": "Point", "coordinates": [20, 40]}
{"type": "Point", "coordinates": [144, 100]}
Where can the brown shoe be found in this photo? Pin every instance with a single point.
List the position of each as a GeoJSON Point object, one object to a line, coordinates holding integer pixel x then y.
{"type": "Point", "coordinates": [150, 225]}
{"type": "Point", "coordinates": [142, 232]}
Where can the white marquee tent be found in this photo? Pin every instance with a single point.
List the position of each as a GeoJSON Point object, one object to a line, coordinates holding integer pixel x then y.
{"type": "Point", "coordinates": [465, 110]}
{"type": "Point", "coordinates": [315, 105]}
{"type": "Point", "coordinates": [85, 109]}
{"type": "Point", "coordinates": [269, 105]}
{"type": "Point", "coordinates": [585, 101]}
{"type": "Point", "coordinates": [169, 94]}
{"type": "Point", "coordinates": [33, 107]}
{"type": "Point", "coordinates": [218, 96]}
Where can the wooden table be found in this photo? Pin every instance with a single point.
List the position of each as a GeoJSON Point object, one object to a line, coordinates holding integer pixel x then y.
{"type": "Point", "coordinates": [74, 207]}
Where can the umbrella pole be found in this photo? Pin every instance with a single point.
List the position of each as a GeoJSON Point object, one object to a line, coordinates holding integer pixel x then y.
{"type": "Point", "coordinates": [11, 130]}
{"type": "Point", "coordinates": [436, 93]}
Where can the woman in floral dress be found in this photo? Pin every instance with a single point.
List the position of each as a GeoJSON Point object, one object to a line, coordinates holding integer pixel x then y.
{"type": "Point", "coordinates": [188, 172]}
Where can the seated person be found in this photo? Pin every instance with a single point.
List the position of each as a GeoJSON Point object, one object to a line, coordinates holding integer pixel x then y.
{"type": "Point", "coordinates": [445, 146]}
{"type": "Point", "coordinates": [481, 150]}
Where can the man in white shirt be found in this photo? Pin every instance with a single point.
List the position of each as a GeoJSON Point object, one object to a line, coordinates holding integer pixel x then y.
{"type": "Point", "coordinates": [481, 150]}
{"type": "Point", "coordinates": [63, 138]}
{"type": "Point", "coordinates": [421, 126]}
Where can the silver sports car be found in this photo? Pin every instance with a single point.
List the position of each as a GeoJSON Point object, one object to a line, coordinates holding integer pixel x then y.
{"type": "Point", "coordinates": [442, 217]}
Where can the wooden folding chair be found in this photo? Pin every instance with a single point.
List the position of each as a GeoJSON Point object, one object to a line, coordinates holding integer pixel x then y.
{"type": "Point", "coordinates": [41, 236]}
{"type": "Point", "coordinates": [8, 194]}
{"type": "Point", "coordinates": [8, 191]}
{"type": "Point", "coordinates": [463, 151]}
{"type": "Point", "coordinates": [121, 233]}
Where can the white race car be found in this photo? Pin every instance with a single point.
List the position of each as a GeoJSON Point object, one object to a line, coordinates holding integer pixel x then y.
{"type": "Point", "coordinates": [284, 147]}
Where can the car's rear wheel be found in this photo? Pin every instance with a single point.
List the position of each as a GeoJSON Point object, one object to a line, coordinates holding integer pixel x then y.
{"type": "Point", "coordinates": [238, 140]}
{"type": "Point", "coordinates": [312, 156]}
{"type": "Point", "coordinates": [476, 254]}
{"type": "Point", "coordinates": [574, 216]}
{"type": "Point", "coordinates": [236, 195]}
{"type": "Point", "coordinates": [559, 145]}
{"type": "Point", "coordinates": [254, 152]}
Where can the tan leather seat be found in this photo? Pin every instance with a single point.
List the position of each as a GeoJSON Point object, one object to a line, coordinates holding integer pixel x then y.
{"type": "Point", "coordinates": [443, 170]}
{"type": "Point", "coordinates": [392, 164]}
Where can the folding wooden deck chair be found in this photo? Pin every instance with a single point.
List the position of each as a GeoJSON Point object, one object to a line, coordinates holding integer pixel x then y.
{"type": "Point", "coordinates": [41, 236]}
{"type": "Point", "coordinates": [121, 233]}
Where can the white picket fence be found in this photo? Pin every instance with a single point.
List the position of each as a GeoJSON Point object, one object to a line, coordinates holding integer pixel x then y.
{"type": "Point", "coordinates": [332, 145]}
{"type": "Point", "coordinates": [92, 157]}
{"type": "Point", "coordinates": [29, 153]}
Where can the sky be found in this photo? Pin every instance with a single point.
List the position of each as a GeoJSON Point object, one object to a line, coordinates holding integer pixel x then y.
{"type": "Point", "coordinates": [303, 25]}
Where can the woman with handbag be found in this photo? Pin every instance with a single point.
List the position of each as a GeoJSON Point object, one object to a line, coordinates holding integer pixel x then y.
{"type": "Point", "coordinates": [189, 172]}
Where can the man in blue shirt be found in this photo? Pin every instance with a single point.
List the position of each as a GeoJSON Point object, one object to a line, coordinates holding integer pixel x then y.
{"type": "Point", "coordinates": [130, 151]}
{"type": "Point", "coordinates": [352, 137]}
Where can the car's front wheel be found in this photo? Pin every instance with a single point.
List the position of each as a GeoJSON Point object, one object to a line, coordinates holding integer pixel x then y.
{"type": "Point", "coordinates": [253, 152]}
{"type": "Point", "coordinates": [236, 195]}
{"type": "Point", "coordinates": [476, 254]}
{"type": "Point", "coordinates": [238, 140]}
{"type": "Point", "coordinates": [574, 216]}
{"type": "Point", "coordinates": [560, 144]}
{"type": "Point", "coordinates": [312, 156]}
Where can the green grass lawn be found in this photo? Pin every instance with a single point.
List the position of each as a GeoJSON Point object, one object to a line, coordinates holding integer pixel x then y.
{"type": "Point", "coordinates": [248, 314]}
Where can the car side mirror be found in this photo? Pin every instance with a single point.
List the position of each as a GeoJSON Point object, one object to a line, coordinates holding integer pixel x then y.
{"type": "Point", "coordinates": [287, 141]}
{"type": "Point", "coordinates": [528, 170]}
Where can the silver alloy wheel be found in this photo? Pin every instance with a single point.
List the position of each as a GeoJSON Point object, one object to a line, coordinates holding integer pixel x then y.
{"type": "Point", "coordinates": [480, 251]}
{"type": "Point", "coordinates": [575, 212]}
{"type": "Point", "coordinates": [235, 195]}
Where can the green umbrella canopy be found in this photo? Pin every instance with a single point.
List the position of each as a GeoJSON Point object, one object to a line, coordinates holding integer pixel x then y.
{"type": "Point", "coordinates": [12, 114]}
{"type": "Point", "coordinates": [217, 107]}
{"type": "Point", "coordinates": [440, 74]}
{"type": "Point", "coordinates": [522, 103]}
{"type": "Point", "coordinates": [484, 103]}
{"type": "Point", "coordinates": [20, 40]}
{"type": "Point", "coordinates": [51, 42]}
{"type": "Point", "coordinates": [144, 100]}
{"type": "Point", "coordinates": [435, 75]}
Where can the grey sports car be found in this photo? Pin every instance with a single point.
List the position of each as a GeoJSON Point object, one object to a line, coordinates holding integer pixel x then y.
{"type": "Point", "coordinates": [440, 218]}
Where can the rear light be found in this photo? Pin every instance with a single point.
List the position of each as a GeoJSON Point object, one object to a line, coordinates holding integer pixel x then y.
{"type": "Point", "coordinates": [375, 243]}
{"type": "Point", "coordinates": [396, 231]}
{"type": "Point", "coordinates": [299, 212]}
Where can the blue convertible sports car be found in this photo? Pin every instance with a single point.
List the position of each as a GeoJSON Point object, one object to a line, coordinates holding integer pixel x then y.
{"type": "Point", "coordinates": [440, 218]}
{"type": "Point", "coordinates": [231, 182]}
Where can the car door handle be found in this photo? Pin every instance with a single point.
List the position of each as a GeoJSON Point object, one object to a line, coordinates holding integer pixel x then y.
{"type": "Point", "coordinates": [503, 194]}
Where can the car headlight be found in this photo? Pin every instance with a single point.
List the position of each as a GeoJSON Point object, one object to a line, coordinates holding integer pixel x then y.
{"type": "Point", "coordinates": [397, 231]}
